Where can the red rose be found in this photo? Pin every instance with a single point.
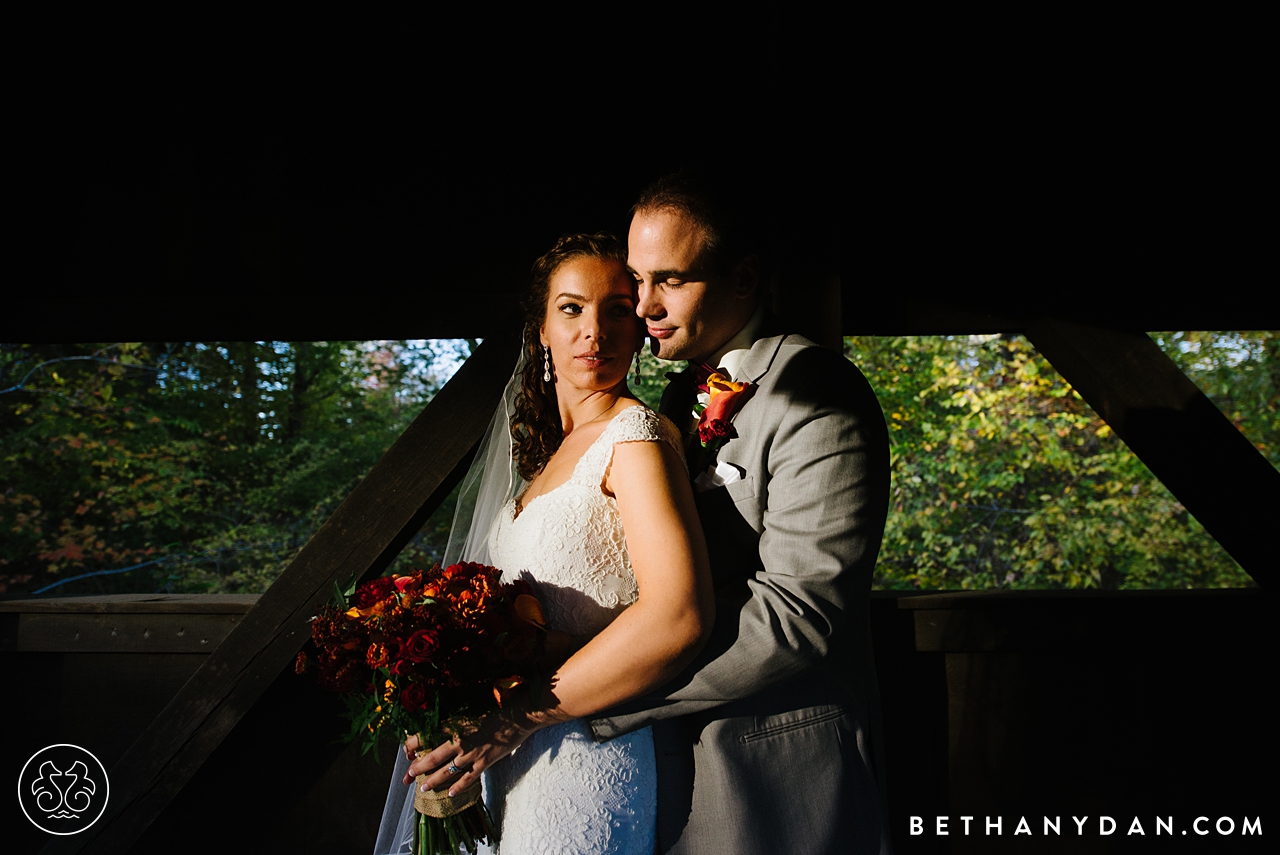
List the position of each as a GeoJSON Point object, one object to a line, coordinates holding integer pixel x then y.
{"type": "Point", "coordinates": [413, 697]}
{"type": "Point", "coordinates": [401, 668]}
{"type": "Point", "coordinates": [371, 592]}
{"type": "Point", "coordinates": [716, 429]}
{"type": "Point", "coordinates": [421, 645]}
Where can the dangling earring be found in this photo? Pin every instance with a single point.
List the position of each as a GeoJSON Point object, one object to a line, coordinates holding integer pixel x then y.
{"type": "Point", "coordinates": [546, 363]}
{"type": "Point", "coordinates": [637, 371]}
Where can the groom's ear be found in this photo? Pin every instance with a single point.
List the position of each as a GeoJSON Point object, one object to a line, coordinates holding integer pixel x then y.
{"type": "Point", "coordinates": [744, 277]}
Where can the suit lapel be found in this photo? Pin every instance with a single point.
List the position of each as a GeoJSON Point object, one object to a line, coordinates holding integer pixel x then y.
{"type": "Point", "coordinates": [760, 358]}
{"type": "Point", "coordinates": [731, 541]}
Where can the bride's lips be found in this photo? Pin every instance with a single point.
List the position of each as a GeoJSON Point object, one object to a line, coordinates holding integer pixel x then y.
{"type": "Point", "coordinates": [593, 360]}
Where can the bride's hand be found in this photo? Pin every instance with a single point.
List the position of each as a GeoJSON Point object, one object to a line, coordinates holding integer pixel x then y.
{"type": "Point", "coordinates": [460, 761]}
{"type": "Point", "coordinates": [412, 745]}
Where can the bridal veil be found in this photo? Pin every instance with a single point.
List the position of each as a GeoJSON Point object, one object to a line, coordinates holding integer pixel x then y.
{"type": "Point", "coordinates": [491, 481]}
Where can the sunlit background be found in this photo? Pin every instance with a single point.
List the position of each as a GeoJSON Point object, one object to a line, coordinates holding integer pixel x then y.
{"type": "Point", "coordinates": [205, 466]}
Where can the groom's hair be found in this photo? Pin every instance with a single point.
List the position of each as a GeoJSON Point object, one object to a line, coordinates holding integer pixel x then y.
{"type": "Point", "coordinates": [718, 205]}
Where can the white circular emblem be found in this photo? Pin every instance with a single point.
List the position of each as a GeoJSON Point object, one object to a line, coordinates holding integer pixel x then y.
{"type": "Point", "coordinates": [63, 789]}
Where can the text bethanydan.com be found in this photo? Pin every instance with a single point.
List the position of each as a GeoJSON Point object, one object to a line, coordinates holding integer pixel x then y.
{"type": "Point", "coordinates": [1085, 826]}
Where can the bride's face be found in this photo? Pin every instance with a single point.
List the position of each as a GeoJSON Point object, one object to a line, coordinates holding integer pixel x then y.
{"type": "Point", "coordinates": [591, 323]}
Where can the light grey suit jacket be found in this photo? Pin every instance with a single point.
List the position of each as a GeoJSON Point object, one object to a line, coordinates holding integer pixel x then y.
{"type": "Point", "coordinates": [768, 742]}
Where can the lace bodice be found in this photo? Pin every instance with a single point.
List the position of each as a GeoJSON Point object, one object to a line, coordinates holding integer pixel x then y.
{"type": "Point", "coordinates": [570, 542]}
{"type": "Point", "coordinates": [560, 792]}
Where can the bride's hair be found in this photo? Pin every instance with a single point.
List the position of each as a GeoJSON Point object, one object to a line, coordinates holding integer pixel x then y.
{"type": "Point", "coordinates": [536, 431]}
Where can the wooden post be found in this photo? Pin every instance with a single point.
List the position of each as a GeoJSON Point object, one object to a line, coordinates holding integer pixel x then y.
{"type": "Point", "coordinates": [361, 538]}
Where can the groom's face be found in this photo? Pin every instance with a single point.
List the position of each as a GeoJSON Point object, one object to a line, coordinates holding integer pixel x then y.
{"type": "Point", "coordinates": [682, 298]}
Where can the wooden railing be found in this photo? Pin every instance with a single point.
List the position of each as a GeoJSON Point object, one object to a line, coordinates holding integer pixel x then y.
{"type": "Point", "coordinates": [995, 703]}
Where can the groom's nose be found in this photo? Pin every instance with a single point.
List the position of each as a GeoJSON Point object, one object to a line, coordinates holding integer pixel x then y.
{"type": "Point", "coordinates": [647, 303]}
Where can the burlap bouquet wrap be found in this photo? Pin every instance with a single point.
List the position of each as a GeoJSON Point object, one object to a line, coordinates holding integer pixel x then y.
{"type": "Point", "coordinates": [439, 804]}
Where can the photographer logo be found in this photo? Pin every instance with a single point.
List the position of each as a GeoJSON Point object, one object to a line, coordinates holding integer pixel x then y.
{"type": "Point", "coordinates": [63, 789]}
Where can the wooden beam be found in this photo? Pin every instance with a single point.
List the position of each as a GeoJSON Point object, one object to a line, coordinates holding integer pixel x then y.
{"type": "Point", "coordinates": [883, 306]}
{"type": "Point", "coordinates": [809, 304]}
{"type": "Point", "coordinates": [362, 536]}
{"type": "Point", "coordinates": [129, 604]}
{"type": "Point", "coordinates": [115, 623]}
{"type": "Point", "coordinates": [1186, 442]}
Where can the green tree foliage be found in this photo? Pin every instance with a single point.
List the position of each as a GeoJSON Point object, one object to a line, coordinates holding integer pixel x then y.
{"type": "Point", "coordinates": [1240, 373]}
{"type": "Point", "coordinates": [651, 379]}
{"type": "Point", "coordinates": [210, 465]}
{"type": "Point", "coordinates": [1004, 478]}
{"type": "Point", "coordinates": [206, 467]}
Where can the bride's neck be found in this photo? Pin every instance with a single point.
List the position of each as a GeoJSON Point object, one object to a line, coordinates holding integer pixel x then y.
{"type": "Point", "coordinates": [583, 407]}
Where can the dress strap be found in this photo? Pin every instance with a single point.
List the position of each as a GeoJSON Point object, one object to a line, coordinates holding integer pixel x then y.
{"type": "Point", "coordinates": [634, 424]}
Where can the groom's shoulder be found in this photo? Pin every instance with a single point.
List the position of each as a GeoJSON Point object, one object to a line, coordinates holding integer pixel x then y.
{"type": "Point", "coordinates": [792, 362]}
{"type": "Point", "coordinates": [793, 345]}
{"type": "Point", "coordinates": [772, 352]}
{"type": "Point", "coordinates": [803, 380]}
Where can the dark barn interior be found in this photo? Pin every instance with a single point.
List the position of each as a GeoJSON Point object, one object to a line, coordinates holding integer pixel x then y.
{"type": "Point", "coordinates": [1081, 230]}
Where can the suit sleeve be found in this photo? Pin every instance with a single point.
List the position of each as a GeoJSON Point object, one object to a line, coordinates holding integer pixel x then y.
{"type": "Point", "coordinates": [827, 483]}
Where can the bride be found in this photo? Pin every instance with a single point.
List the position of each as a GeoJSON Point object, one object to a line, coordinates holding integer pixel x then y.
{"type": "Point", "coordinates": [606, 529]}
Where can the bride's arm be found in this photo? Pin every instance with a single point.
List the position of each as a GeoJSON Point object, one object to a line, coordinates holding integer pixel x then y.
{"type": "Point", "coordinates": [671, 619]}
{"type": "Point", "coordinates": [644, 646]}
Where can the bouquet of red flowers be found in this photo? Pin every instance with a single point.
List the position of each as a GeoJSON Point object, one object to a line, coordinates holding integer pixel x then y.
{"type": "Point", "coordinates": [426, 654]}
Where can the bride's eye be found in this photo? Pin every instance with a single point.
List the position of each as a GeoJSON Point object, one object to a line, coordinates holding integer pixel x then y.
{"type": "Point", "coordinates": [570, 308]}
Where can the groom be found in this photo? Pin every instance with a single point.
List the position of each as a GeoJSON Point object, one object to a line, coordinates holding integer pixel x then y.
{"type": "Point", "coordinates": [766, 744]}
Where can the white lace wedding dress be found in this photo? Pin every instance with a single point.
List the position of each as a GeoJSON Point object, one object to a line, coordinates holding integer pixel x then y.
{"type": "Point", "coordinates": [560, 792]}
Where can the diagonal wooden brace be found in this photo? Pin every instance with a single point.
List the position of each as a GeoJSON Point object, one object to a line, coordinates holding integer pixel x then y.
{"type": "Point", "coordinates": [361, 538]}
{"type": "Point", "coordinates": [1186, 442]}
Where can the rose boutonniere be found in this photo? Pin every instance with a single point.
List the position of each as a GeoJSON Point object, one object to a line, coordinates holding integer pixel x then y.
{"type": "Point", "coordinates": [719, 399]}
